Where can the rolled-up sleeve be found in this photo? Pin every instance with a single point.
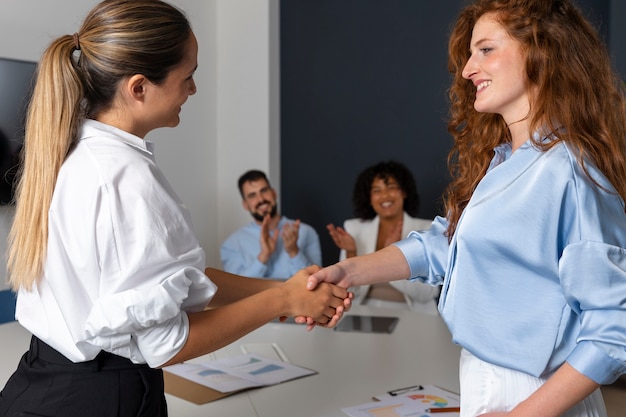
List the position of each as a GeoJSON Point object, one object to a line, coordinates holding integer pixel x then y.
{"type": "Point", "coordinates": [426, 252]}
{"type": "Point", "coordinates": [600, 301]}
{"type": "Point", "coordinates": [123, 265]}
{"type": "Point", "coordinates": [154, 316]}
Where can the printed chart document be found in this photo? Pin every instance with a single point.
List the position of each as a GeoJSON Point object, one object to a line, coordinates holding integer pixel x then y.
{"type": "Point", "coordinates": [417, 401]}
{"type": "Point", "coordinates": [239, 372]}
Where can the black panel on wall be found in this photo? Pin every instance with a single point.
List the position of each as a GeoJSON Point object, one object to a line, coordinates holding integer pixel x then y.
{"type": "Point", "coordinates": [364, 81]}
{"type": "Point", "coordinates": [361, 81]}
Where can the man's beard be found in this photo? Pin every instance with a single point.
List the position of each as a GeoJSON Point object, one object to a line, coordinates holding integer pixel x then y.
{"type": "Point", "coordinates": [272, 212]}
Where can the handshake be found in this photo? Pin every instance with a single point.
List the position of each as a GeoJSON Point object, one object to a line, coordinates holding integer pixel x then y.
{"type": "Point", "coordinates": [312, 301]}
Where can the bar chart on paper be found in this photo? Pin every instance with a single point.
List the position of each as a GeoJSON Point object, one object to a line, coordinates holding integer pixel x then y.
{"type": "Point", "coordinates": [239, 372]}
{"type": "Point", "coordinates": [411, 404]}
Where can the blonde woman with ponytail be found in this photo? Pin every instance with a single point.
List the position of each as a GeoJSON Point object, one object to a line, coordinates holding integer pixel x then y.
{"type": "Point", "coordinates": [111, 280]}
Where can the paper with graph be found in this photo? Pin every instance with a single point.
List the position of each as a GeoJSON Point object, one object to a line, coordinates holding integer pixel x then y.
{"type": "Point", "coordinates": [424, 401]}
{"type": "Point", "coordinates": [239, 372]}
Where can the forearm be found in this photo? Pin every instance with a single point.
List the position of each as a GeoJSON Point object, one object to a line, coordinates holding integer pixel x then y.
{"type": "Point", "coordinates": [387, 264]}
{"type": "Point", "coordinates": [566, 388]}
{"type": "Point", "coordinates": [213, 329]}
{"type": "Point", "coordinates": [232, 287]}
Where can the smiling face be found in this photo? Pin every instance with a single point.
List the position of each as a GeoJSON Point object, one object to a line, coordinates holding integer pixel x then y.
{"type": "Point", "coordinates": [168, 97]}
{"type": "Point", "coordinates": [387, 197]}
{"type": "Point", "coordinates": [259, 199]}
{"type": "Point", "coordinates": [496, 67]}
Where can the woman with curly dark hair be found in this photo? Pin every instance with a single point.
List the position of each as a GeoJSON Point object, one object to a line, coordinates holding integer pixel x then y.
{"type": "Point", "coordinates": [385, 203]}
{"type": "Point", "coordinates": [531, 255]}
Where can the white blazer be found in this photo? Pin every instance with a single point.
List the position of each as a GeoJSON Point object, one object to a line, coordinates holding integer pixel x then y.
{"type": "Point", "coordinates": [419, 296]}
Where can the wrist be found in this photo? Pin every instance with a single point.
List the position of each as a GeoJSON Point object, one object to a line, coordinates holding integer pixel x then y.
{"type": "Point", "coordinates": [282, 291]}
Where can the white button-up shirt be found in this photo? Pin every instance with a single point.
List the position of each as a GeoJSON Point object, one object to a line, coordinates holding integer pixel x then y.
{"type": "Point", "coordinates": [123, 264]}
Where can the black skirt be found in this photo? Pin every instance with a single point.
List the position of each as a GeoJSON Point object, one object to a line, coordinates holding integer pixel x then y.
{"type": "Point", "coordinates": [47, 384]}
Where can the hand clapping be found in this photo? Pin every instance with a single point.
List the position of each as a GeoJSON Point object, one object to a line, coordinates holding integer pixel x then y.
{"type": "Point", "coordinates": [289, 233]}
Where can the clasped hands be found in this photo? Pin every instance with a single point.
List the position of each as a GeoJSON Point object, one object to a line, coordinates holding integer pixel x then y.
{"type": "Point", "coordinates": [321, 304]}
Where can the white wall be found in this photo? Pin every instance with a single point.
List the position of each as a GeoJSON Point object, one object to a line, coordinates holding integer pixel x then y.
{"type": "Point", "coordinates": [225, 128]}
{"type": "Point", "coordinates": [247, 110]}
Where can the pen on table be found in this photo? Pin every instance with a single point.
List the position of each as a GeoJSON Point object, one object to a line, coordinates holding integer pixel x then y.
{"type": "Point", "coordinates": [404, 390]}
{"type": "Point", "coordinates": [444, 410]}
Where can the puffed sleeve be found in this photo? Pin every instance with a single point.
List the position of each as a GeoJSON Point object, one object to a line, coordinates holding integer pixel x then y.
{"type": "Point", "coordinates": [593, 277]}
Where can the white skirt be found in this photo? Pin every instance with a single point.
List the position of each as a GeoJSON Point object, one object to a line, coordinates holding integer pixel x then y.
{"type": "Point", "coordinates": [490, 388]}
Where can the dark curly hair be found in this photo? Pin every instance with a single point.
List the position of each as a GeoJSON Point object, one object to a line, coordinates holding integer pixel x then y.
{"type": "Point", "coordinates": [384, 170]}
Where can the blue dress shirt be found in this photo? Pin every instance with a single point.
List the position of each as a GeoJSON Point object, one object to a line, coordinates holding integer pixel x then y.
{"type": "Point", "coordinates": [240, 250]}
{"type": "Point", "coordinates": [535, 274]}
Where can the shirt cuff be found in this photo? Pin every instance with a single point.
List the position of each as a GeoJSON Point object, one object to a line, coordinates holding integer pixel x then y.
{"type": "Point", "coordinates": [152, 315]}
{"type": "Point", "coordinates": [138, 308]}
{"type": "Point", "coordinates": [414, 254]}
{"type": "Point", "coordinates": [160, 344]}
{"type": "Point", "coordinates": [595, 363]}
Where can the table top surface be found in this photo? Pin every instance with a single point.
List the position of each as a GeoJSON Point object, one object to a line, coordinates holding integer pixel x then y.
{"type": "Point", "coordinates": [351, 366]}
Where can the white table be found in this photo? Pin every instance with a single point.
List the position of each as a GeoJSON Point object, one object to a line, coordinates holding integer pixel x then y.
{"type": "Point", "coordinates": [351, 366]}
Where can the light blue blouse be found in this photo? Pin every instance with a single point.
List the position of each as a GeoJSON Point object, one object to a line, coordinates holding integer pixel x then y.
{"type": "Point", "coordinates": [535, 274]}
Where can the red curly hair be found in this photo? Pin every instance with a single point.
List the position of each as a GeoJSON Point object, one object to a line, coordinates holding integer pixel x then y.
{"type": "Point", "coordinates": [578, 94]}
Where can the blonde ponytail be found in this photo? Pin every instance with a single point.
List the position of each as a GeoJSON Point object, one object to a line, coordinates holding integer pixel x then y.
{"type": "Point", "coordinates": [78, 77]}
{"type": "Point", "coordinates": [51, 127]}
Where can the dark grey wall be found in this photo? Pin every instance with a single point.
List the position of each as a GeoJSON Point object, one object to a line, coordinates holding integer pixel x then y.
{"type": "Point", "coordinates": [364, 81]}
{"type": "Point", "coordinates": [617, 35]}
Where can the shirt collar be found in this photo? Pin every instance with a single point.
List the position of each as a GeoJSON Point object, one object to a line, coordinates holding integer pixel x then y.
{"type": "Point", "coordinates": [91, 128]}
{"type": "Point", "coordinates": [504, 151]}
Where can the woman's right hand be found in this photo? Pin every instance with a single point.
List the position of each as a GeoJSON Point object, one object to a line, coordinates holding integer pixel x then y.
{"type": "Point", "coordinates": [342, 239]}
{"type": "Point", "coordinates": [324, 305]}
